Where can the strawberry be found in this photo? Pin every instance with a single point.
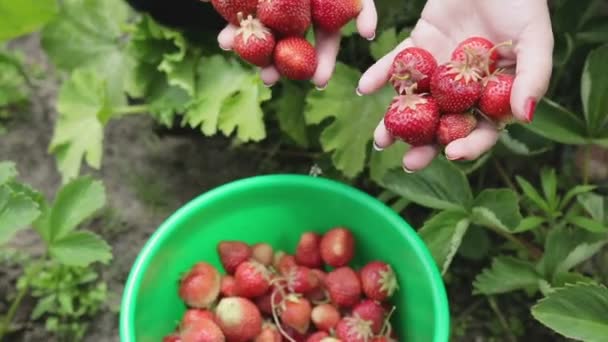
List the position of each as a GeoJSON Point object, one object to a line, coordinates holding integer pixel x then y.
{"type": "Point", "coordinates": [337, 247]}
{"type": "Point", "coordinates": [263, 253]}
{"type": "Point", "coordinates": [332, 15]}
{"type": "Point", "coordinates": [263, 302]}
{"type": "Point", "coordinates": [252, 279]}
{"type": "Point", "coordinates": [294, 334]}
{"type": "Point", "coordinates": [295, 58]}
{"type": "Point", "coordinates": [228, 286]}
{"type": "Point", "coordinates": [284, 262]}
{"type": "Point", "coordinates": [301, 279]}
{"type": "Point", "coordinates": [318, 337]}
{"type": "Point", "coordinates": [325, 317]}
{"type": "Point", "coordinates": [192, 316]}
{"type": "Point", "coordinates": [370, 310]}
{"type": "Point", "coordinates": [455, 126]}
{"type": "Point", "coordinates": [354, 329]}
{"type": "Point", "coordinates": [174, 337]}
{"type": "Point", "coordinates": [286, 17]}
{"type": "Point", "coordinates": [495, 100]}
{"type": "Point", "coordinates": [477, 50]}
{"type": "Point", "coordinates": [200, 287]}
{"type": "Point", "coordinates": [254, 42]}
{"type": "Point", "coordinates": [232, 254]}
{"type": "Point", "coordinates": [455, 86]}
{"type": "Point", "coordinates": [296, 313]}
{"type": "Point", "coordinates": [413, 118]}
{"type": "Point", "coordinates": [239, 319]}
{"type": "Point", "coordinates": [411, 66]}
{"type": "Point", "coordinates": [343, 286]}
{"type": "Point", "coordinates": [318, 294]}
{"type": "Point", "coordinates": [204, 330]}
{"type": "Point", "coordinates": [269, 333]}
{"type": "Point", "coordinates": [229, 9]}
{"type": "Point", "coordinates": [307, 250]}
{"type": "Point", "coordinates": [378, 280]}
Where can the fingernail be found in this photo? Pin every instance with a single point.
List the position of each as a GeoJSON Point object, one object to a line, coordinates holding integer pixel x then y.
{"type": "Point", "coordinates": [358, 92]}
{"type": "Point", "coordinates": [530, 108]}
{"type": "Point", "coordinates": [225, 49]}
{"type": "Point", "coordinates": [321, 88]}
{"type": "Point", "coordinates": [454, 159]}
{"type": "Point", "coordinates": [372, 37]}
{"type": "Point", "coordinates": [407, 170]}
{"type": "Point", "coordinates": [268, 85]}
{"type": "Point", "coordinates": [377, 148]}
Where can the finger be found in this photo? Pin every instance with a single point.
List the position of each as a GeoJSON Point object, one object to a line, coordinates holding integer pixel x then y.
{"type": "Point", "coordinates": [382, 138]}
{"type": "Point", "coordinates": [377, 75]}
{"type": "Point", "coordinates": [367, 20]}
{"type": "Point", "coordinates": [419, 157]}
{"type": "Point", "coordinates": [270, 75]}
{"type": "Point", "coordinates": [226, 37]}
{"type": "Point", "coordinates": [475, 144]}
{"type": "Point", "coordinates": [327, 46]}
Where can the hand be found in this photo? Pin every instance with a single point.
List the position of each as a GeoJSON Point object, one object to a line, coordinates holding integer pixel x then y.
{"type": "Point", "coordinates": [326, 44]}
{"type": "Point", "coordinates": [445, 23]}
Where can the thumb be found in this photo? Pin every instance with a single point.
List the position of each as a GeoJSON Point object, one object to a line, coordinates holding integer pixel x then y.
{"type": "Point", "coordinates": [534, 51]}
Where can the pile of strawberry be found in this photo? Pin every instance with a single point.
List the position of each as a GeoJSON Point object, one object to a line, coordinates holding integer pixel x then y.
{"type": "Point", "coordinates": [271, 31]}
{"type": "Point", "coordinates": [268, 296]}
{"type": "Point", "coordinates": [437, 104]}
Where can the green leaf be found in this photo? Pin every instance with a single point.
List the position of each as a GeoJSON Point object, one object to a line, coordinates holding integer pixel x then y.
{"type": "Point", "coordinates": [594, 34]}
{"type": "Point", "coordinates": [75, 202]}
{"type": "Point", "coordinates": [228, 97]}
{"type": "Point", "coordinates": [506, 274]}
{"type": "Point", "coordinates": [349, 29]}
{"type": "Point", "coordinates": [556, 123]}
{"type": "Point", "coordinates": [443, 235]}
{"type": "Point", "coordinates": [81, 248]}
{"type": "Point", "coordinates": [290, 113]}
{"type": "Point", "coordinates": [529, 223]}
{"type": "Point", "coordinates": [522, 141]}
{"type": "Point", "coordinates": [475, 244]}
{"type": "Point", "coordinates": [87, 33]}
{"type": "Point", "coordinates": [576, 311]}
{"type": "Point", "coordinates": [82, 106]}
{"type": "Point", "coordinates": [383, 161]}
{"type": "Point", "coordinates": [594, 86]}
{"type": "Point", "coordinates": [13, 87]}
{"type": "Point", "coordinates": [386, 42]}
{"type": "Point", "coordinates": [440, 186]}
{"type": "Point", "coordinates": [24, 16]}
{"type": "Point", "coordinates": [354, 119]}
{"type": "Point", "coordinates": [533, 195]}
{"type": "Point", "coordinates": [44, 305]}
{"type": "Point", "coordinates": [588, 224]}
{"type": "Point", "coordinates": [563, 279]}
{"type": "Point", "coordinates": [17, 211]}
{"type": "Point", "coordinates": [574, 192]}
{"type": "Point", "coordinates": [594, 205]}
{"type": "Point", "coordinates": [549, 183]}
{"type": "Point", "coordinates": [497, 208]}
{"type": "Point", "coordinates": [8, 171]}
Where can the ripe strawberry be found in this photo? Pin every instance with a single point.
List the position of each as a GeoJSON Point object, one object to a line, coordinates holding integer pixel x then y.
{"type": "Point", "coordinates": [301, 279]}
{"type": "Point", "coordinates": [252, 279]}
{"type": "Point", "coordinates": [200, 287]}
{"type": "Point", "coordinates": [229, 9]}
{"type": "Point", "coordinates": [318, 294]}
{"type": "Point", "coordinates": [318, 337]}
{"type": "Point", "coordinates": [202, 331]}
{"type": "Point", "coordinates": [325, 317]}
{"type": "Point", "coordinates": [332, 15]}
{"type": "Point", "coordinates": [378, 280]}
{"type": "Point", "coordinates": [296, 313]}
{"type": "Point", "coordinates": [286, 17]}
{"type": "Point", "coordinates": [269, 333]}
{"type": "Point", "coordinates": [239, 319]}
{"type": "Point", "coordinates": [232, 254]}
{"type": "Point", "coordinates": [295, 58]}
{"type": "Point", "coordinates": [174, 337]}
{"type": "Point", "coordinates": [192, 316]}
{"type": "Point", "coordinates": [413, 118]}
{"type": "Point", "coordinates": [412, 66]}
{"type": "Point", "coordinates": [263, 253]}
{"type": "Point", "coordinates": [454, 126]}
{"type": "Point", "coordinates": [228, 286]}
{"type": "Point", "coordinates": [343, 286]}
{"type": "Point", "coordinates": [477, 50]}
{"type": "Point", "coordinates": [307, 251]}
{"type": "Point", "coordinates": [370, 310]}
{"type": "Point", "coordinates": [294, 334]}
{"type": "Point", "coordinates": [456, 87]}
{"type": "Point", "coordinates": [263, 302]}
{"type": "Point", "coordinates": [495, 100]}
{"type": "Point", "coordinates": [337, 247]}
{"type": "Point", "coordinates": [354, 329]}
{"type": "Point", "coordinates": [254, 42]}
{"type": "Point", "coordinates": [284, 262]}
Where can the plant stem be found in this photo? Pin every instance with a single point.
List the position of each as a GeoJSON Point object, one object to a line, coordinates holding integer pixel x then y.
{"type": "Point", "coordinates": [133, 109]}
{"type": "Point", "coordinates": [503, 174]}
{"type": "Point", "coordinates": [8, 319]}
{"type": "Point", "coordinates": [586, 162]}
{"type": "Point", "coordinates": [501, 319]}
{"type": "Point", "coordinates": [532, 250]}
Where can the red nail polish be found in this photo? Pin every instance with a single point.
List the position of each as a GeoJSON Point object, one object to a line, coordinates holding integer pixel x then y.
{"type": "Point", "coordinates": [530, 108]}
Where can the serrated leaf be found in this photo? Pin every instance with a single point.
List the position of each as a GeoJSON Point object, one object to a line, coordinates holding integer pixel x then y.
{"type": "Point", "coordinates": [17, 211]}
{"type": "Point", "coordinates": [24, 16]}
{"type": "Point", "coordinates": [563, 279]}
{"type": "Point", "coordinates": [348, 135]}
{"type": "Point", "coordinates": [506, 274]}
{"type": "Point", "coordinates": [498, 208]}
{"type": "Point", "coordinates": [533, 195]}
{"type": "Point", "coordinates": [386, 42]}
{"type": "Point", "coordinates": [290, 113]}
{"type": "Point", "coordinates": [529, 223]}
{"type": "Point", "coordinates": [8, 171]}
{"type": "Point", "coordinates": [80, 248]}
{"type": "Point", "coordinates": [443, 235]}
{"type": "Point", "coordinates": [75, 202]}
{"type": "Point", "coordinates": [588, 224]}
{"type": "Point", "coordinates": [556, 123]}
{"type": "Point", "coordinates": [574, 192]}
{"type": "Point", "coordinates": [441, 185]}
{"type": "Point", "coordinates": [383, 161]}
{"type": "Point", "coordinates": [576, 311]}
{"type": "Point", "coordinates": [594, 86]}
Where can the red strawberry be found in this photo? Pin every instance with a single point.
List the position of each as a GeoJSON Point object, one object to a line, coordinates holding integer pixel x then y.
{"type": "Point", "coordinates": [284, 262]}
{"type": "Point", "coordinates": [495, 100]}
{"type": "Point", "coordinates": [456, 87]}
{"type": "Point", "coordinates": [343, 286]}
{"type": "Point", "coordinates": [296, 313]}
{"type": "Point", "coordinates": [318, 336]}
{"type": "Point", "coordinates": [294, 334]}
{"type": "Point", "coordinates": [239, 319]}
{"type": "Point", "coordinates": [412, 66]}
{"type": "Point", "coordinates": [192, 316]}
{"type": "Point", "coordinates": [295, 58]}
{"type": "Point", "coordinates": [318, 294]}
{"type": "Point", "coordinates": [228, 286]}
{"type": "Point", "coordinates": [378, 280]}
{"type": "Point", "coordinates": [232, 254]}
{"type": "Point", "coordinates": [229, 9]}
{"type": "Point", "coordinates": [370, 310]}
{"type": "Point", "coordinates": [307, 251]}
{"type": "Point", "coordinates": [254, 42]}
{"type": "Point", "coordinates": [455, 126]}
{"type": "Point", "coordinates": [269, 333]}
{"type": "Point", "coordinates": [413, 118]}
{"type": "Point", "coordinates": [301, 279]}
{"type": "Point", "coordinates": [174, 337]}
{"type": "Point", "coordinates": [202, 331]}
{"type": "Point", "coordinates": [332, 15]}
{"type": "Point", "coordinates": [354, 329]}
{"type": "Point", "coordinates": [252, 279]}
{"type": "Point", "coordinates": [325, 317]}
{"type": "Point", "coordinates": [476, 50]}
{"type": "Point", "coordinates": [338, 247]}
{"type": "Point", "coordinates": [200, 287]}
{"type": "Point", "coordinates": [263, 253]}
{"type": "Point", "coordinates": [286, 17]}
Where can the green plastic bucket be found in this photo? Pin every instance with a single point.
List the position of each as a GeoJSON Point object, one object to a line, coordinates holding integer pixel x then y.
{"type": "Point", "coordinates": [277, 209]}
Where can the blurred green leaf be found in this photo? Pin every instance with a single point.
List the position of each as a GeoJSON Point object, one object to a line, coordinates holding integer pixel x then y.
{"type": "Point", "coordinates": [529, 223]}
{"type": "Point", "coordinates": [24, 16]}
{"type": "Point", "coordinates": [443, 235]}
{"type": "Point", "coordinates": [383, 161]}
{"type": "Point", "coordinates": [523, 142]}
{"type": "Point", "coordinates": [574, 192]}
{"type": "Point", "coordinates": [8, 171]}
{"type": "Point", "coordinates": [386, 42]}
{"type": "Point", "coordinates": [290, 113]}
{"type": "Point", "coordinates": [17, 211]}
{"type": "Point", "coordinates": [13, 87]}
{"type": "Point", "coordinates": [548, 181]}
{"type": "Point", "coordinates": [588, 224]}
{"type": "Point", "coordinates": [594, 205]}
{"type": "Point", "coordinates": [506, 274]}
{"type": "Point", "coordinates": [533, 195]}
{"type": "Point", "coordinates": [475, 244]}
{"type": "Point", "coordinates": [554, 122]}
{"type": "Point", "coordinates": [594, 87]}
{"type": "Point", "coordinates": [497, 208]}
{"type": "Point", "coordinates": [80, 248]}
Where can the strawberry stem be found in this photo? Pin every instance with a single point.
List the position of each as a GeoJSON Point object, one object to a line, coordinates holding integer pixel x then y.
{"type": "Point", "coordinates": [275, 316]}
{"type": "Point", "coordinates": [386, 327]}
{"type": "Point", "coordinates": [489, 53]}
